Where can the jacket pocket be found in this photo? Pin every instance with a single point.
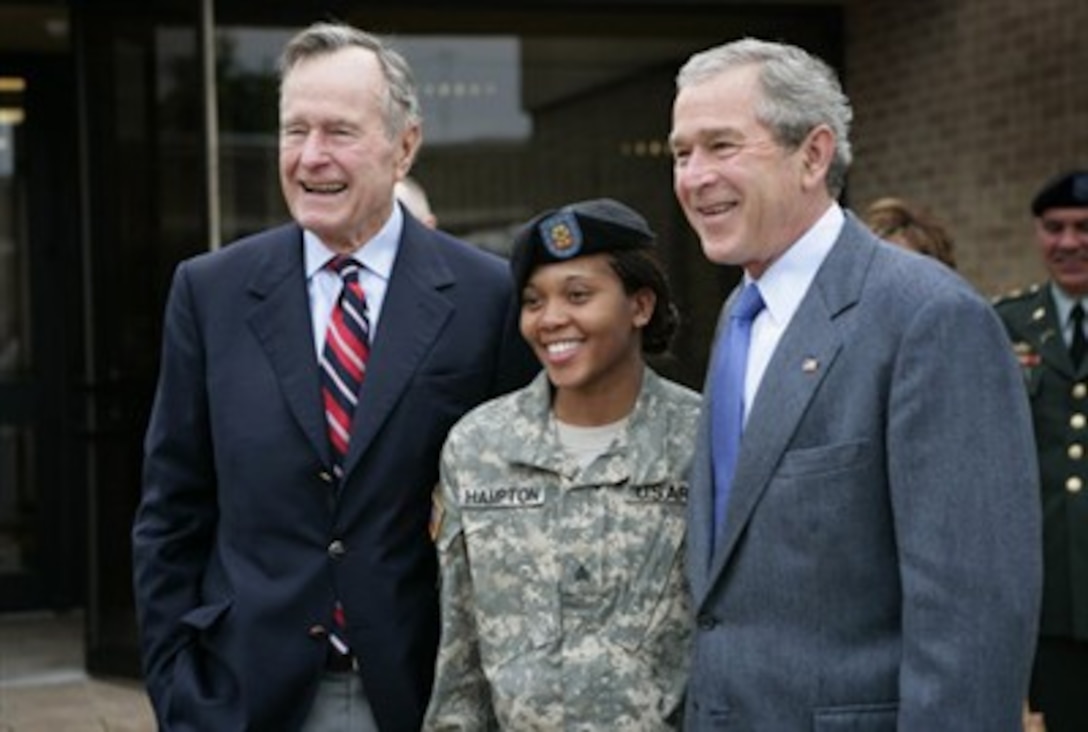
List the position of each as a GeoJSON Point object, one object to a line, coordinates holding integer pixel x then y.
{"type": "Point", "coordinates": [856, 718]}
{"type": "Point", "coordinates": [204, 686]}
{"type": "Point", "coordinates": [824, 459]}
{"type": "Point", "coordinates": [204, 617]}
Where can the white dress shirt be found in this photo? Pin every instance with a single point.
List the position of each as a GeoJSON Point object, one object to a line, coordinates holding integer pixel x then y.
{"type": "Point", "coordinates": [376, 257]}
{"type": "Point", "coordinates": [782, 287]}
{"type": "Point", "coordinates": [1064, 305]}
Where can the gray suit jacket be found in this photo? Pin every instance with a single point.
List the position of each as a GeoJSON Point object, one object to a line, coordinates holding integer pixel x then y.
{"type": "Point", "coordinates": [880, 566]}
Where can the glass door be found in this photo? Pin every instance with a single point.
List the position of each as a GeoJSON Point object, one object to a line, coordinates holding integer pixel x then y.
{"type": "Point", "coordinates": [42, 501]}
{"type": "Point", "coordinates": [18, 547]}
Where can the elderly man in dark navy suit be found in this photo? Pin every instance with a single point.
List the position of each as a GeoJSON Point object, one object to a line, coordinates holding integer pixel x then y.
{"type": "Point", "coordinates": [284, 575]}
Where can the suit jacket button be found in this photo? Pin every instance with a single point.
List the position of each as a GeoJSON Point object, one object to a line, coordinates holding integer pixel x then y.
{"type": "Point", "coordinates": [325, 477]}
{"type": "Point", "coordinates": [337, 549]}
{"type": "Point", "coordinates": [707, 622]}
{"type": "Point", "coordinates": [318, 632]}
{"type": "Point", "coordinates": [1073, 484]}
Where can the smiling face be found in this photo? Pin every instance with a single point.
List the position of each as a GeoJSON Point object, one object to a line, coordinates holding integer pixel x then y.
{"type": "Point", "coordinates": [747, 197]}
{"type": "Point", "coordinates": [1062, 237]}
{"type": "Point", "coordinates": [338, 162]}
{"type": "Point", "coordinates": [586, 330]}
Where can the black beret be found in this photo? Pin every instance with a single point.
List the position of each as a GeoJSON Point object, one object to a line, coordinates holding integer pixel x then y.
{"type": "Point", "coordinates": [1068, 190]}
{"type": "Point", "coordinates": [578, 229]}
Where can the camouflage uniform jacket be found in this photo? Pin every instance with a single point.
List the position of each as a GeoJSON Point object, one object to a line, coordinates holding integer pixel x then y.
{"type": "Point", "coordinates": [564, 604]}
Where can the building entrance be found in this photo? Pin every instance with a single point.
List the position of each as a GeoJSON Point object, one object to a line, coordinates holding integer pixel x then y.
{"type": "Point", "coordinates": [152, 135]}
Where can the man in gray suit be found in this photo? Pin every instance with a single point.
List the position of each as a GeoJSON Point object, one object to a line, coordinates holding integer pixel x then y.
{"type": "Point", "coordinates": [874, 559]}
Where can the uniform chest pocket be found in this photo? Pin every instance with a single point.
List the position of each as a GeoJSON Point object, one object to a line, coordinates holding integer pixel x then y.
{"type": "Point", "coordinates": [655, 599]}
{"type": "Point", "coordinates": [514, 572]}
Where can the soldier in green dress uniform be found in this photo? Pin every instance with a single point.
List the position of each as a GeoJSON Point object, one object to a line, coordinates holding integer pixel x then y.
{"type": "Point", "coordinates": [1046, 324]}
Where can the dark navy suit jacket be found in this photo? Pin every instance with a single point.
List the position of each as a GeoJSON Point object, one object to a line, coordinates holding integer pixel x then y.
{"type": "Point", "coordinates": [242, 540]}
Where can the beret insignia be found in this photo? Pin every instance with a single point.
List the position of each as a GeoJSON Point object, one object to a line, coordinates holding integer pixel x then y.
{"type": "Point", "coordinates": [561, 235]}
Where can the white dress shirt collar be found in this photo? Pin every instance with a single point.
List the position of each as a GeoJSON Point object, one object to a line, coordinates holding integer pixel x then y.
{"type": "Point", "coordinates": [1063, 305]}
{"type": "Point", "coordinates": [782, 287]}
{"type": "Point", "coordinates": [786, 281]}
{"type": "Point", "coordinates": [376, 255]}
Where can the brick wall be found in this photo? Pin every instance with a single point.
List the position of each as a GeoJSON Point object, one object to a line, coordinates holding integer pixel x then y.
{"type": "Point", "coordinates": [967, 106]}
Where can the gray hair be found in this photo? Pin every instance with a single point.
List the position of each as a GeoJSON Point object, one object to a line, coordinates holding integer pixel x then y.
{"type": "Point", "coordinates": [401, 100]}
{"type": "Point", "coordinates": [799, 93]}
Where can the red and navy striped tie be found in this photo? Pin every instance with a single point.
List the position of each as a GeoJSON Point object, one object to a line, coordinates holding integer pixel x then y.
{"type": "Point", "coordinates": [343, 360]}
{"type": "Point", "coordinates": [343, 368]}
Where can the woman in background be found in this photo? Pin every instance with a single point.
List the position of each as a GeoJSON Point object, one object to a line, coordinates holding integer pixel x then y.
{"type": "Point", "coordinates": [904, 223]}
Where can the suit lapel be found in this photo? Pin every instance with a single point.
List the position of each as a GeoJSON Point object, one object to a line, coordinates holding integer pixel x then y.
{"type": "Point", "coordinates": [280, 318]}
{"type": "Point", "coordinates": [803, 357]}
{"type": "Point", "coordinates": [701, 508]}
{"type": "Point", "coordinates": [414, 314]}
{"type": "Point", "coordinates": [807, 350]}
{"type": "Point", "coordinates": [701, 495]}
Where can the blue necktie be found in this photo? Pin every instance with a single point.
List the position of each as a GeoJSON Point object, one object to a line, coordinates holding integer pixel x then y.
{"type": "Point", "coordinates": [727, 399]}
